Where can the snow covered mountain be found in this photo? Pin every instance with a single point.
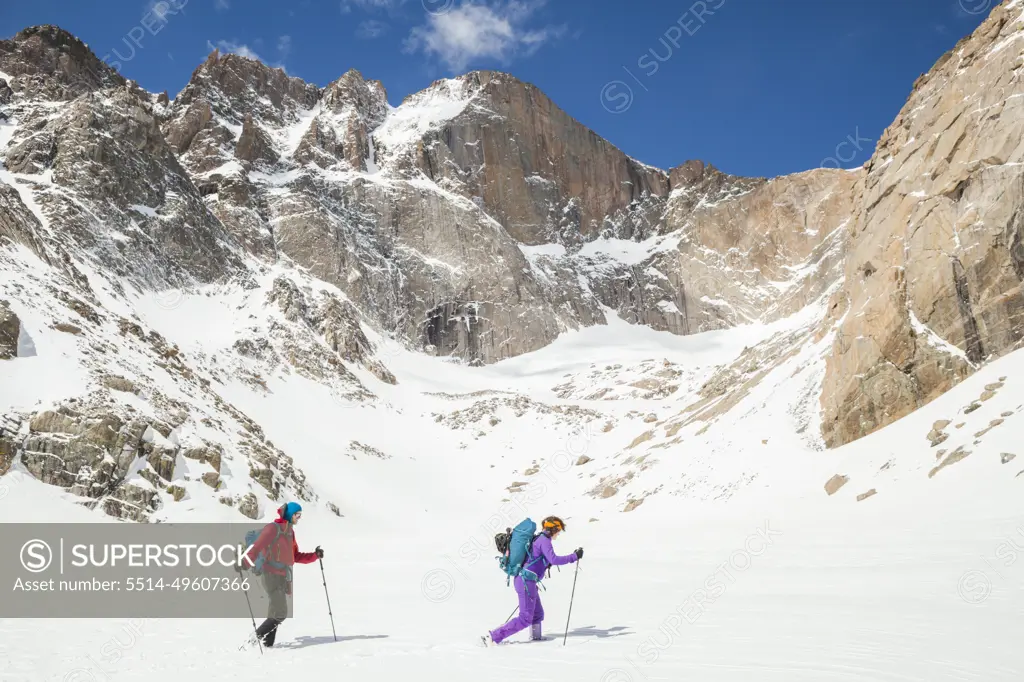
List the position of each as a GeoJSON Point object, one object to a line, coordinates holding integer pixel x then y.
{"type": "Point", "coordinates": [211, 303]}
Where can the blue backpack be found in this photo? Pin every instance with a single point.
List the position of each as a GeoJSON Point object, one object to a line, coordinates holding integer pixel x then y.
{"type": "Point", "coordinates": [250, 540]}
{"type": "Point", "coordinates": [515, 545]}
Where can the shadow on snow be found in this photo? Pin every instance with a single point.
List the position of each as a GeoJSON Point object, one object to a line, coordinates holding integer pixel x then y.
{"type": "Point", "coordinates": [588, 631]}
{"type": "Point", "coordinates": [302, 642]}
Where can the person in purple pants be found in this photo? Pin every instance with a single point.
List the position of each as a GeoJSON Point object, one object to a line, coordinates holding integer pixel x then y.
{"type": "Point", "coordinates": [542, 556]}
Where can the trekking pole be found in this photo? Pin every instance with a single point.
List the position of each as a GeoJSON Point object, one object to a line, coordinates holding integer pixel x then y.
{"type": "Point", "coordinates": [512, 614]}
{"type": "Point", "coordinates": [252, 616]}
{"type": "Point", "coordinates": [324, 575]}
{"type": "Point", "coordinates": [570, 602]}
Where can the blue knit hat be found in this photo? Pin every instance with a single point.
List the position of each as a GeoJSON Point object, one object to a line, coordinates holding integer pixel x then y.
{"type": "Point", "coordinates": [289, 511]}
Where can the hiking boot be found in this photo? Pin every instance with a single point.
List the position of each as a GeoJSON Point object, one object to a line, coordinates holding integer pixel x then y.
{"type": "Point", "coordinates": [249, 643]}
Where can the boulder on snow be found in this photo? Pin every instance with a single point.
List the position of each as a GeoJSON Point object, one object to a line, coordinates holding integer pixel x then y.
{"type": "Point", "coordinates": [118, 383]}
{"type": "Point", "coordinates": [991, 425]}
{"type": "Point", "coordinates": [937, 434]}
{"type": "Point", "coordinates": [953, 457]}
{"type": "Point", "coordinates": [249, 506]}
{"type": "Point", "coordinates": [833, 484]}
{"type": "Point", "coordinates": [633, 504]}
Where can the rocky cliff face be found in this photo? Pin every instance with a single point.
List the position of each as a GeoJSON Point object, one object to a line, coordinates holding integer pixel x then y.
{"type": "Point", "coordinates": [933, 279]}
{"type": "Point", "coordinates": [476, 220]}
{"type": "Point", "coordinates": [541, 174]}
{"type": "Point", "coordinates": [479, 220]}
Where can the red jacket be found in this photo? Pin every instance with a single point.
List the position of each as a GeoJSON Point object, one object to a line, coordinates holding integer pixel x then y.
{"type": "Point", "coordinates": [282, 550]}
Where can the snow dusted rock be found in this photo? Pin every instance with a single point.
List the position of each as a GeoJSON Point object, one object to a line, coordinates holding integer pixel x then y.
{"type": "Point", "coordinates": [108, 161]}
{"type": "Point", "coordinates": [19, 225]}
{"type": "Point", "coordinates": [9, 442]}
{"type": "Point", "coordinates": [253, 144]}
{"type": "Point", "coordinates": [230, 107]}
{"type": "Point", "coordinates": [249, 506]}
{"type": "Point", "coordinates": [336, 321]}
{"type": "Point", "coordinates": [10, 332]}
{"type": "Point", "coordinates": [87, 447]}
{"type": "Point", "coordinates": [47, 62]}
{"type": "Point", "coordinates": [127, 462]}
{"type": "Point", "coordinates": [235, 87]}
{"type": "Point", "coordinates": [350, 109]}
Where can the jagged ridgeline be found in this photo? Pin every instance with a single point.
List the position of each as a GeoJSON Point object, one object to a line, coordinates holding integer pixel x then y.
{"type": "Point", "coordinates": [476, 220]}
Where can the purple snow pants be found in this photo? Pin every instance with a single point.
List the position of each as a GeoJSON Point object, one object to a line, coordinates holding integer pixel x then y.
{"type": "Point", "coordinates": [530, 610]}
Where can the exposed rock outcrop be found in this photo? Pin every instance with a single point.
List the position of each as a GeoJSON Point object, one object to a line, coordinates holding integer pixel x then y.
{"type": "Point", "coordinates": [49, 63]}
{"type": "Point", "coordinates": [10, 332]}
{"type": "Point", "coordinates": [933, 277]}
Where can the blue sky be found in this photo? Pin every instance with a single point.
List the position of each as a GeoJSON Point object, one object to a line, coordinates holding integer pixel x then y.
{"type": "Point", "coordinates": [756, 87]}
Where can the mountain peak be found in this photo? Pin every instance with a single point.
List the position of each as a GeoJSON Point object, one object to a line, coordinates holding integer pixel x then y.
{"type": "Point", "coordinates": [50, 62]}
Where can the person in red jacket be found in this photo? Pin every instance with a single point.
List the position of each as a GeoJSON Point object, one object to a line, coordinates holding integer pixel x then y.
{"type": "Point", "coordinates": [280, 551]}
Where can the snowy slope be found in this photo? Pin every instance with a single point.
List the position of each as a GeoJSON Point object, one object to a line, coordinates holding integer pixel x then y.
{"type": "Point", "coordinates": [910, 584]}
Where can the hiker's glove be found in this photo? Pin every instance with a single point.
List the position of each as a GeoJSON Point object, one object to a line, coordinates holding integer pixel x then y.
{"type": "Point", "coordinates": [319, 552]}
{"type": "Point", "coordinates": [579, 554]}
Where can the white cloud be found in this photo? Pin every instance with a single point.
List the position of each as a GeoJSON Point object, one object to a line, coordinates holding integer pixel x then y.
{"type": "Point", "coordinates": [232, 47]}
{"type": "Point", "coordinates": [472, 32]}
{"type": "Point", "coordinates": [222, 5]}
{"type": "Point", "coordinates": [284, 46]}
{"type": "Point", "coordinates": [371, 29]}
{"type": "Point", "coordinates": [242, 50]}
{"type": "Point", "coordinates": [388, 6]}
